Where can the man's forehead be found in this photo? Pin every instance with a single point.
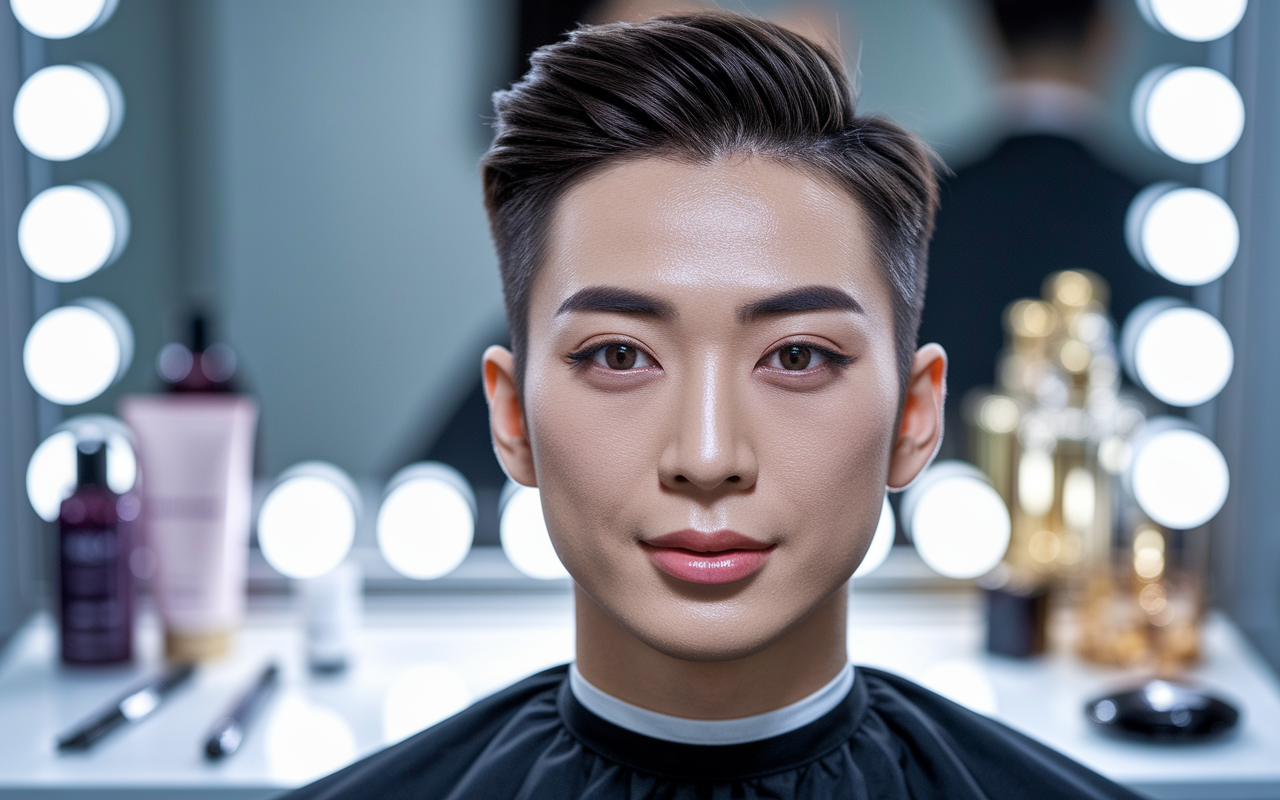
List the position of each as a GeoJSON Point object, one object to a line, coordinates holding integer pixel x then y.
{"type": "Point", "coordinates": [750, 225]}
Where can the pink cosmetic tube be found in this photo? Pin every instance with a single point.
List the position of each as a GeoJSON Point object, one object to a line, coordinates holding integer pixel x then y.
{"type": "Point", "coordinates": [195, 458]}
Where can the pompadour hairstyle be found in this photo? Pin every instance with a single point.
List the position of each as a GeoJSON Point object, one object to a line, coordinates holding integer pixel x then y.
{"type": "Point", "coordinates": [698, 88]}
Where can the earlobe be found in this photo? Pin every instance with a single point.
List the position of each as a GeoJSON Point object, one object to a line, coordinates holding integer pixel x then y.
{"type": "Point", "coordinates": [920, 432]}
{"type": "Point", "coordinates": [506, 416]}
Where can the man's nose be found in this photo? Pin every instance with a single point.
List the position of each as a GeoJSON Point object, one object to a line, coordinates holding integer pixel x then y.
{"type": "Point", "coordinates": [709, 452]}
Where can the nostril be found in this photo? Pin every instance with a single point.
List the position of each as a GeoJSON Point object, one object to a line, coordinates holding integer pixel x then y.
{"type": "Point", "coordinates": [734, 478]}
{"type": "Point", "coordinates": [681, 479]}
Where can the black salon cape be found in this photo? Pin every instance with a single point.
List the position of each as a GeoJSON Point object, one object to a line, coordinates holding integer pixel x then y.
{"type": "Point", "coordinates": [889, 739]}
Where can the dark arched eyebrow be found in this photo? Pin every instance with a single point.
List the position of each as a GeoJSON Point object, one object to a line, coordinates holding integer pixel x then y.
{"type": "Point", "coordinates": [616, 300]}
{"type": "Point", "coordinates": [806, 298]}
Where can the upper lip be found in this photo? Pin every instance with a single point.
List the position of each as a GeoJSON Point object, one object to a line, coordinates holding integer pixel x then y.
{"type": "Point", "coordinates": [707, 541]}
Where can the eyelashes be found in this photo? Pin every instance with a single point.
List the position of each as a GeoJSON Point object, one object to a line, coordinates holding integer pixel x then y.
{"type": "Point", "coordinates": [801, 355]}
{"type": "Point", "coordinates": [618, 356]}
{"type": "Point", "coordinates": [625, 356]}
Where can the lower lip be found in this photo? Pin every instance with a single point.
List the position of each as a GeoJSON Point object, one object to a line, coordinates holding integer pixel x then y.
{"type": "Point", "coordinates": [725, 566]}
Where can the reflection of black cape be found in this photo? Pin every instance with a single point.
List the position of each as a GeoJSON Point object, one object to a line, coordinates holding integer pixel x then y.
{"type": "Point", "coordinates": [1038, 203]}
{"type": "Point", "coordinates": [890, 739]}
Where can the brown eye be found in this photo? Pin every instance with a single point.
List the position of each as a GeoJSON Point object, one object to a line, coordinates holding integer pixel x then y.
{"type": "Point", "coordinates": [795, 357]}
{"type": "Point", "coordinates": [620, 356]}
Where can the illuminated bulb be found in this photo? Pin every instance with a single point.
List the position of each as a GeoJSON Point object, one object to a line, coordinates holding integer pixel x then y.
{"type": "Point", "coordinates": [51, 472]}
{"type": "Point", "coordinates": [958, 523]}
{"type": "Point", "coordinates": [1182, 355]}
{"type": "Point", "coordinates": [523, 532]}
{"type": "Point", "coordinates": [427, 521]}
{"type": "Point", "coordinates": [62, 19]}
{"type": "Point", "coordinates": [1193, 114]}
{"type": "Point", "coordinates": [1178, 476]}
{"type": "Point", "coordinates": [65, 111]}
{"type": "Point", "coordinates": [68, 233]}
{"type": "Point", "coordinates": [419, 698]}
{"type": "Point", "coordinates": [308, 521]}
{"type": "Point", "coordinates": [1194, 20]}
{"type": "Point", "coordinates": [304, 741]}
{"type": "Point", "coordinates": [73, 353]}
{"type": "Point", "coordinates": [1186, 235]}
{"type": "Point", "coordinates": [881, 542]}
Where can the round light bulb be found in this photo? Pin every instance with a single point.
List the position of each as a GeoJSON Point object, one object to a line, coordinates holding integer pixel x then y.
{"type": "Point", "coordinates": [1177, 475]}
{"type": "Point", "coordinates": [1194, 20]}
{"type": "Point", "coordinates": [1193, 114]}
{"type": "Point", "coordinates": [75, 352]}
{"type": "Point", "coordinates": [68, 233]}
{"type": "Point", "coordinates": [62, 19]}
{"type": "Point", "coordinates": [1186, 235]}
{"type": "Point", "coordinates": [523, 532]}
{"type": "Point", "coordinates": [881, 542]}
{"type": "Point", "coordinates": [1182, 355]}
{"type": "Point", "coordinates": [65, 111]}
{"type": "Point", "coordinates": [303, 740]}
{"type": "Point", "coordinates": [308, 521]}
{"type": "Point", "coordinates": [426, 523]}
{"type": "Point", "coordinates": [957, 522]}
{"type": "Point", "coordinates": [51, 472]}
{"type": "Point", "coordinates": [419, 698]}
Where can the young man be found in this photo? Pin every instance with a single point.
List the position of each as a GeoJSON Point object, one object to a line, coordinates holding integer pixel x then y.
{"type": "Point", "coordinates": [714, 272]}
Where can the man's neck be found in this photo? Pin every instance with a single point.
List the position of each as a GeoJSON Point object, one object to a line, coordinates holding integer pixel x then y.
{"type": "Point", "coordinates": [798, 664]}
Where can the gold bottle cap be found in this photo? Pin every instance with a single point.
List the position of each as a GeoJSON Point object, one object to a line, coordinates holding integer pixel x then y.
{"type": "Point", "coordinates": [1074, 290]}
{"type": "Point", "coordinates": [1030, 319]}
{"type": "Point", "coordinates": [196, 646]}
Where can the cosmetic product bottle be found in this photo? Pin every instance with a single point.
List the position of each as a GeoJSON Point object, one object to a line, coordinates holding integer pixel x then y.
{"type": "Point", "coordinates": [197, 366]}
{"type": "Point", "coordinates": [195, 452]}
{"type": "Point", "coordinates": [95, 584]}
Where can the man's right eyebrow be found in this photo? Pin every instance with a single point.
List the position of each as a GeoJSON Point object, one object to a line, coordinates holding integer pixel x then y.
{"type": "Point", "coordinates": [616, 300]}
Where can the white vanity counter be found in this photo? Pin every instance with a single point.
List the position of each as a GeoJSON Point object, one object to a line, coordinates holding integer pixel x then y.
{"type": "Point", "coordinates": [422, 657]}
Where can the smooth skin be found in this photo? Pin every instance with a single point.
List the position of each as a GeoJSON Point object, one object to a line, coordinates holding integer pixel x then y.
{"type": "Point", "coordinates": [710, 347]}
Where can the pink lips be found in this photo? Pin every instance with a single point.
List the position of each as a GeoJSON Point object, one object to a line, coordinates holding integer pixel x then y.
{"type": "Point", "coordinates": [718, 557]}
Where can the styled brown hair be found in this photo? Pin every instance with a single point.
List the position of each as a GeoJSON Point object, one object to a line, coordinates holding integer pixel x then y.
{"type": "Point", "coordinates": [699, 87]}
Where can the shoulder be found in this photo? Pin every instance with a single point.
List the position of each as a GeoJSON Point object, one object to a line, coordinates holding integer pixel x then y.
{"type": "Point", "coordinates": [430, 763]}
{"type": "Point", "coordinates": [936, 737]}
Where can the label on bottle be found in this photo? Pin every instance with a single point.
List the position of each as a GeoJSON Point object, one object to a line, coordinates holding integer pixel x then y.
{"type": "Point", "coordinates": [95, 604]}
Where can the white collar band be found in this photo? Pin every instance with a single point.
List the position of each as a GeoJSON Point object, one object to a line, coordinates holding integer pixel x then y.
{"type": "Point", "coordinates": [711, 731]}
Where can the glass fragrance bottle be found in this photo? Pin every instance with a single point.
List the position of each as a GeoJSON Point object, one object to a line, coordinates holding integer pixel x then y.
{"type": "Point", "coordinates": [95, 607]}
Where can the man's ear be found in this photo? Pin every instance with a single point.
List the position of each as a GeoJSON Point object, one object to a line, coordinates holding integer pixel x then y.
{"type": "Point", "coordinates": [506, 416]}
{"type": "Point", "coordinates": [920, 432]}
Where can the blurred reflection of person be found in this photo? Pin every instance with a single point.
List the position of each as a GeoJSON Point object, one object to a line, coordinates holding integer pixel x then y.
{"type": "Point", "coordinates": [1040, 201]}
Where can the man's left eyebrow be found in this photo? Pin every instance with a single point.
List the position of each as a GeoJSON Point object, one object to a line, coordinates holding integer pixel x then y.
{"type": "Point", "coordinates": [806, 298]}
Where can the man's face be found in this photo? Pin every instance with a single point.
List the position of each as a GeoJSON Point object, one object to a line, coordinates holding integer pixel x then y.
{"type": "Point", "coordinates": [710, 396]}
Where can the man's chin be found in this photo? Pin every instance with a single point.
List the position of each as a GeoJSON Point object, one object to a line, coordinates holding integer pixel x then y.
{"type": "Point", "coordinates": [700, 634]}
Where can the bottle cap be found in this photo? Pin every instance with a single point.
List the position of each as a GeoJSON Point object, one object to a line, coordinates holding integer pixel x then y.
{"type": "Point", "coordinates": [91, 463]}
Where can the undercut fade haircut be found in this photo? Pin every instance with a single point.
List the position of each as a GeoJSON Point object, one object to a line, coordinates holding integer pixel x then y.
{"type": "Point", "coordinates": [699, 88]}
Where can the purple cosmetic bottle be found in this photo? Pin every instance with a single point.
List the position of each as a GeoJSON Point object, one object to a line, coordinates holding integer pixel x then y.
{"type": "Point", "coordinates": [95, 606]}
